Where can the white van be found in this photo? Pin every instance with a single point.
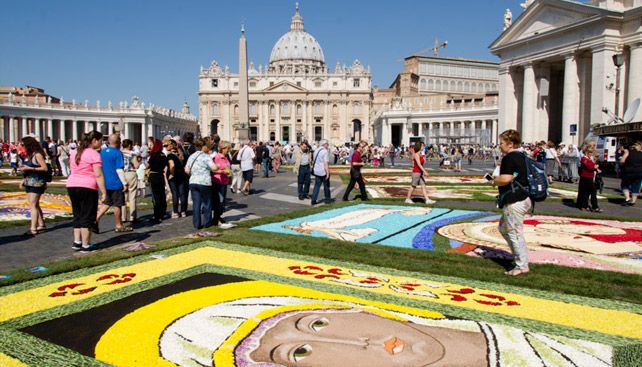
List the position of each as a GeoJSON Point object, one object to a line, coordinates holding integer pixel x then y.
{"type": "Point", "coordinates": [605, 146]}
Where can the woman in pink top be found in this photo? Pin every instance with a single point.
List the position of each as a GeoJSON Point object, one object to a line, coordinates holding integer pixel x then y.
{"type": "Point", "coordinates": [83, 184]}
{"type": "Point", "coordinates": [220, 181]}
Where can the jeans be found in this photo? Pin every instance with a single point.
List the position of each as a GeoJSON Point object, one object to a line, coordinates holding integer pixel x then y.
{"type": "Point", "coordinates": [201, 205]}
{"type": "Point", "coordinates": [303, 181]}
{"type": "Point", "coordinates": [511, 226]}
{"type": "Point", "coordinates": [180, 193]}
{"type": "Point", "coordinates": [266, 167]}
{"type": "Point", "coordinates": [219, 193]}
{"type": "Point", "coordinates": [318, 181]}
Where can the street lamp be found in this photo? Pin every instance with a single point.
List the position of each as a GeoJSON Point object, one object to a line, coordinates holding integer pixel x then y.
{"type": "Point", "coordinates": [618, 61]}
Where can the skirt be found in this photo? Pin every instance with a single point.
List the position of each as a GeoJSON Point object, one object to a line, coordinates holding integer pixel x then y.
{"type": "Point", "coordinates": [551, 167]}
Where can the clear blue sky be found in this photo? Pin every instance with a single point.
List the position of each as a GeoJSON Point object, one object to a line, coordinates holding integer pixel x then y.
{"type": "Point", "coordinates": [111, 50]}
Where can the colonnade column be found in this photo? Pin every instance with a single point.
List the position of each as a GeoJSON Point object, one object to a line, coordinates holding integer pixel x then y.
{"type": "Point", "coordinates": [292, 122]}
{"type": "Point", "coordinates": [143, 133]}
{"type": "Point", "coordinates": [494, 136]}
{"type": "Point", "coordinates": [570, 100]}
{"type": "Point", "coordinates": [12, 131]}
{"type": "Point", "coordinates": [61, 128]}
{"type": "Point", "coordinates": [25, 128]}
{"type": "Point", "coordinates": [74, 131]}
{"type": "Point", "coordinates": [50, 129]}
{"type": "Point", "coordinates": [507, 100]}
{"type": "Point", "coordinates": [529, 102]}
{"type": "Point", "coordinates": [635, 78]}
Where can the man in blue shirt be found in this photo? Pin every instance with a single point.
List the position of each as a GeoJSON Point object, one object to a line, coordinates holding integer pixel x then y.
{"type": "Point", "coordinates": [115, 183]}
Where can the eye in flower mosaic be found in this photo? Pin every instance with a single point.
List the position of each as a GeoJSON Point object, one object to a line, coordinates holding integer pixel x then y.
{"type": "Point", "coordinates": [15, 206]}
{"type": "Point", "coordinates": [214, 304]}
{"type": "Point", "coordinates": [399, 226]}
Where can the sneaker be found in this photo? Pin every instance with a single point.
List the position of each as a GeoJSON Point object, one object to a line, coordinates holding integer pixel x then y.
{"type": "Point", "coordinates": [183, 214]}
{"type": "Point", "coordinates": [409, 201]}
{"type": "Point", "coordinates": [226, 225]}
{"type": "Point", "coordinates": [175, 215]}
{"type": "Point", "coordinates": [77, 246]}
{"type": "Point", "coordinates": [91, 247]}
{"type": "Point", "coordinates": [428, 201]}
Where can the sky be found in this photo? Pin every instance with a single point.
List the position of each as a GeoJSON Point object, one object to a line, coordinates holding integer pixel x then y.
{"type": "Point", "coordinates": [113, 50]}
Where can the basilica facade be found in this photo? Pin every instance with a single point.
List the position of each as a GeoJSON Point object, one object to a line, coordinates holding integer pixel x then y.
{"type": "Point", "coordinates": [295, 97]}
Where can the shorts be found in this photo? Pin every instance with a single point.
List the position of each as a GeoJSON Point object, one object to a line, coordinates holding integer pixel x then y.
{"type": "Point", "coordinates": [14, 165]}
{"type": "Point", "coordinates": [248, 175]}
{"type": "Point", "coordinates": [35, 190]}
{"type": "Point", "coordinates": [84, 204]}
{"type": "Point", "coordinates": [417, 177]}
{"type": "Point", "coordinates": [115, 198]}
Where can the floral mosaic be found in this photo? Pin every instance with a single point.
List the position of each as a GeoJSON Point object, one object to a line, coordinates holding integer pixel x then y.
{"type": "Point", "coordinates": [14, 206]}
{"type": "Point", "coordinates": [251, 309]}
{"type": "Point", "coordinates": [397, 226]}
{"type": "Point", "coordinates": [586, 243]}
{"type": "Point", "coordinates": [434, 192]}
{"type": "Point", "coordinates": [374, 180]}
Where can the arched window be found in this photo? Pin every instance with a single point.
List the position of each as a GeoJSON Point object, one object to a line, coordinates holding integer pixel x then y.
{"type": "Point", "coordinates": [460, 86]}
{"type": "Point", "coordinates": [438, 86]}
{"type": "Point", "coordinates": [467, 87]}
{"type": "Point", "coordinates": [356, 108]}
{"type": "Point", "coordinates": [285, 108]}
{"type": "Point", "coordinates": [299, 110]}
{"type": "Point", "coordinates": [431, 84]}
{"type": "Point", "coordinates": [215, 108]}
{"type": "Point", "coordinates": [453, 86]}
{"type": "Point", "coordinates": [422, 84]}
{"type": "Point", "coordinates": [236, 110]}
{"type": "Point", "coordinates": [272, 110]}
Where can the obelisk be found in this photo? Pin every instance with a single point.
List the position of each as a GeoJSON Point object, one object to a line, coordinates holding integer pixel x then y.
{"type": "Point", "coordinates": [242, 131]}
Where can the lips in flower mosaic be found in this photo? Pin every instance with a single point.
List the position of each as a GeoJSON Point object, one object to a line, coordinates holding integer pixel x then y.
{"type": "Point", "coordinates": [214, 304]}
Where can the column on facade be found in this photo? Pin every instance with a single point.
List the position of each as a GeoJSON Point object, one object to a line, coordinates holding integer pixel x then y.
{"type": "Point", "coordinates": [292, 137]}
{"type": "Point", "coordinates": [462, 128]}
{"type": "Point", "coordinates": [3, 135]}
{"type": "Point", "coordinates": [385, 132]}
{"type": "Point", "coordinates": [570, 99]}
{"type": "Point", "coordinates": [635, 78]}
{"type": "Point", "coordinates": [600, 95]}
{"type": "Point", "coordinates": [544, 77]}
{"type": "Point", "coordinates": [74, 131]}
{"type": "Point", "coordinates": [529, 104]}
{"type": "Point", "coordinates": [304, 118]}
{"type": "Point", "coordinates": [143, 132]}
{"type": "Point", "coordinates": [265, 121]}
{"type": "Point", "coordinates": [327, 117]}
{"type": "Point", "coordinates": [311, 121]}
{"type": "Point", "coordinates": [507, 99]}
{"type": "Point", "coordinates": [277, 120]}
{"type": "Point", "coordinates": [495, 131]}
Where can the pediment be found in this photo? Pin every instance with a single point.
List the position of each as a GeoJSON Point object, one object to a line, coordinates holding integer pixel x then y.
{"type": "Point", "coordinates": [284, 86]}
{"type": "Point", "coordinates": [545, 17]}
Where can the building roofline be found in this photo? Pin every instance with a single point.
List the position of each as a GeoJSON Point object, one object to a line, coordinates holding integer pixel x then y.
{"type": "Point", "coordinates": [460, 59]}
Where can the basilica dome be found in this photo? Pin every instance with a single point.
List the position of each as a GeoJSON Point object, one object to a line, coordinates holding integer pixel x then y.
{"type": "Point", "coordinates": [297, 46]}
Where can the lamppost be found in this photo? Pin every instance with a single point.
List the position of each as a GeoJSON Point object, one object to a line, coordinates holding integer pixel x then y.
{"type": "Point", "coordinates": [618, 60]}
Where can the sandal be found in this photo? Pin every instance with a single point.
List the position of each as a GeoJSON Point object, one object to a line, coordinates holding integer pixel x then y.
{"type": "Point", "coordinates": [597, 210]}
{"type": "Point", "coordinates": [42, 229]}
{"type": "Point", "coordinates": [516, 272]}
{"type": "Point", "coordinates": [30, 233]}
{"type": "Point", "coordinates": [123, 229]}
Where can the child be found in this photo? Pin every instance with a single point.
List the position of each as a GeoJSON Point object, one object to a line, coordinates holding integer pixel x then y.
{"type": "Point", "coordinates": [140, 173]}
{"type": "Point", "coordinates": [13, 160]}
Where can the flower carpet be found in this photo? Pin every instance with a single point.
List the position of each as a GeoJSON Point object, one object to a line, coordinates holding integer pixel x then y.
{"type": "Point", "coordinates": [340, 170]}
{"type": "Point", "coordinates": [14, 206]}
{"type": "Point", "coordinates": [376, 180]}
{"type": "Point", "coordinates": [215, 304]}
{"type": "Point", "coordinates": [587, 243]}
{"type": "Point", "coordinates": [399, 226]}
{"type": "Point", "coordinates": [582, 243]}
{"type": "Point", "coordinates": [469, 192]}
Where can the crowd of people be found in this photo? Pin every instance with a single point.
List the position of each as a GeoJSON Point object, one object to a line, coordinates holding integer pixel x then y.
{"type": "Point", "coordinates": [109, 172]}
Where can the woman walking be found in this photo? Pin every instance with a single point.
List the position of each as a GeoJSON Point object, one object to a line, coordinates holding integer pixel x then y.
{"type": "Point", "coordinates": [84, 184]}
{"type": "Point", "coordinates": [552, 162]}
{"type": "Point", "coordinates": [588, 170]}
{"type": "Point", "coordinates": [418, 175]}
{"type": "Point", "coordinates": [631, 168]}
{"type": "Point", "coordinates": [277, 156]}
{"type": "Point", "coordinates": [34, 169]}
{"type": "Point", "coordinates": [63, 157]}
{"type": "Point", "coordinates": [157, 166]}
{"type": "Point", "coordinates": [199, 166]}
{"type": "Point", "coordinates": [237, 174]}
{"type": "Point", "coordinates": [176, 178]}
{"type": "Point", "coordinates": [220, 181]}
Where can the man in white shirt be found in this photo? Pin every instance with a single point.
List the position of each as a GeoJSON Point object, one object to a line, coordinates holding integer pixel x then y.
{"type": "Point", "coordinates": [246, 156]}
{"type": "Point", "coordinates": [321, 172]}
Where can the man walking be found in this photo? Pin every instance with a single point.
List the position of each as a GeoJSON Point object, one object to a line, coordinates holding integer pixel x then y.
{"type": "Point", "coordinates": [355, 173]}
{"type": "Point", "coordinates": [321, 172]}
{"type": "Point", "coordinates": [302, 160]}
{"type": "Point", "coordinates": [129, 167]}
{"type": "Point", "coordinates": [246, 156]}
{"type": "Point", "coordinates": [115, 183]}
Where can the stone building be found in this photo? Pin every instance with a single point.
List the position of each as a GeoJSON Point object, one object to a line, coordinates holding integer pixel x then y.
{"type": "Point", "coordinates": [31, 111]}
{"type": "Point", "coordinates": [439, 101]}
{"type": "Point", "coordinates": [296, 96]}
{"type": "Point", "coordinates": [558, 71]}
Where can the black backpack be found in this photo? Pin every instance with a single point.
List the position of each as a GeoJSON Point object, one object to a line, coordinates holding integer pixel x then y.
{"type": "Point", "coordinates": [265, 154]}
{"type": "Point", "coordinates": [537, 188]}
